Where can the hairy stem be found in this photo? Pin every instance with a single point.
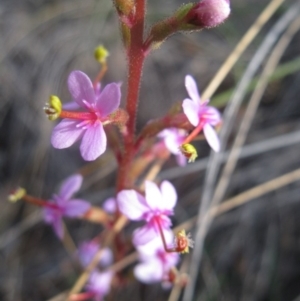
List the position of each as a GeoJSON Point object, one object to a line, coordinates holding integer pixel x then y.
{"type": "Point", "coordinates": [135, 65]}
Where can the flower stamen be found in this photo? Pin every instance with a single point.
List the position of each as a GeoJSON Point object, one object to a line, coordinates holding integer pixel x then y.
{"type": "Point", "coordinates": [53, 108]}
{"type": "Point", "coordinates": [183, 242]}
{"type": "Point", "coordinates": [189, 151]}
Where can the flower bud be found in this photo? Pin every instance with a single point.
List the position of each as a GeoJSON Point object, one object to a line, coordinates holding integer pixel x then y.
{"type": "Point", "coordinates": [208, 13]}
{"type": "Point", "coordinates": [101, 54]}
{"type": "Point", "coordinates": [126, 12]}
{"type": "Point", "coordinates": [125, 7]}
{"type": "Point", "coordinates": [189, 17]}
{"type": "Point", "coordinates": [189, 151]}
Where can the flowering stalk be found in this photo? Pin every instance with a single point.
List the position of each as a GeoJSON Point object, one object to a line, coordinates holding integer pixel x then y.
{"type": "Point", "coordinates": [135, 64]}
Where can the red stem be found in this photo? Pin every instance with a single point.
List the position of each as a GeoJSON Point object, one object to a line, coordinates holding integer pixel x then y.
{"type": "Point", "coordinates": [193, 134]}
{"type": "Point", "coordinates": [100, 75]}
{"type": "Point", "coordinates": [135, 65]}
{"type": "Point", "coordinates": [161, 232]}
{"type": "Point", "coordinates": [39, 202]}
{"type": "Point", "coordinates": [82, 296]}
{"type": "Point", "coordinates": [77, 115]}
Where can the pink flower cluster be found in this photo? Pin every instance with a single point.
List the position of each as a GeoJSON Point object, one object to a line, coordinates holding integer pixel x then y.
{"type": "Point", "coordinates": [155, 209]}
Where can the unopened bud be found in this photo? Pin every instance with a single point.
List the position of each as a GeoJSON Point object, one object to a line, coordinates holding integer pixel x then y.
{"type": "Point", "coordinates": [189, 151]}
{"type": "Point", "coordinates": [189, 17]}
{"type": "Point", "coordinates": [208, 13]}
{"type": "Point", "coordinates": [101, 54]}
{"type": "Point", "coordinates": [53, 108]}
{"type": "Point", "coordinates": [17, 195]}
{"type": "Point", "coordinates": [125, 7]}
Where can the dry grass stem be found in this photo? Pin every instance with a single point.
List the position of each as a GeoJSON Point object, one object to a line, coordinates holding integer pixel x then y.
{"type": "Point", "coordinates": [241, 47]}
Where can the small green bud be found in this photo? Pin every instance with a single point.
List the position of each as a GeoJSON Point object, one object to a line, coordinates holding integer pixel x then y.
{"type": "Point", "coordinates": [101, 54]}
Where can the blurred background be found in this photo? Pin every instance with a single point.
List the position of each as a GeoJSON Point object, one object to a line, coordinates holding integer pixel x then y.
{"type": "Point", "coordinates": [251, 252]}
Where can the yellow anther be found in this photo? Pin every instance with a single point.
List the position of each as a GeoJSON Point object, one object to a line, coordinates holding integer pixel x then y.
{"type": "Point", "coordinates": [53, 107]}
{"type": "Point", "coordinates": [101, 54]}
{"type": "Point", "coordinates": [189, 151]}
{"type": "Point", "coordinates": [17, 194]}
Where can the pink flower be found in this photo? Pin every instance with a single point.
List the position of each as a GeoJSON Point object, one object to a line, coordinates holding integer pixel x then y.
{"type": "Point", "coordinates": [209, 13]}
{"type": "Point", "coordinates": [62, 205]}
{"type": "Point", "coordinates": [87, 250]}
{"type": "Point", "coordinates": [200, 114]}
{"type": "Point", "coordinates": [173, 139]}
{"type": "Point", "coordinates": [155, 208]}
{"type": "Point", "coordinates": [87, 125]}
{"type": "Point", "coordinates": [155, 261]}
{"type": "Point", "coordinates": [99, 284]}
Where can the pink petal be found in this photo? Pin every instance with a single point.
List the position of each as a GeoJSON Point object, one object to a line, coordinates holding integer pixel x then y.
{"type": "Point", "coordinates": [169, 195]}
{"type": "Point", "coordinates": [58, 228]}
{"type": "Point", "coordinates": [93, 142]}
{"type": "Point", "coordinates": [49, 215]}
{"type": "Point", "coordinates": [71, 105]}
{"type": "Point", "coordinates": [149, 272]}
{"type": "Point", "coordinates": [153, 196]}
{"type": "Point", "coordinates": [81, 88]}
{"type": "Point", "coordinates": [155, 246]}
{"type": "Point", "coordinates": [191, 109]}
{"type": "Point", "coordinates": [174, 140]}
{"type": "Point", "coordinates": [99, 283]}
{"type": "Point", "coordinates": [106, 257]}
{"type": "Point", "coordinates": [211, 137]}
{"type": "Point", "coordinates": [181, 160]}
{"type": "Point", "coordinates": [192, 89]}
{"type": "Point", "coordinates": [132, 204]}
{"type": "Point", "coordinates": [76, 207]}
{"type": "Point", "coordinates": [70, 186]}
{"type": "Point", "coordinates": [65, 134]}
{"type": "Point", "coordinates": [87, 251]}
{"type": "Point", "coordinates": [210, 115]}
{"type": "Point", "coordinates": [110, 205]}
{"type": "Point", "coordinates": [144, 235]}
{"type": "Point", "coordinates": [109, 99]}
{"type": "Point", "coordinates": [97, 89]}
